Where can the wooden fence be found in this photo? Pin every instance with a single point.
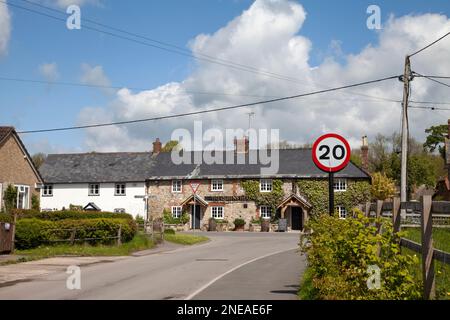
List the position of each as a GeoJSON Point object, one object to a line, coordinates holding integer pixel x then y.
{"type": "Point", "coordinates": [425, 209]}
{"type": "Point", "coordinates": [6, 237]}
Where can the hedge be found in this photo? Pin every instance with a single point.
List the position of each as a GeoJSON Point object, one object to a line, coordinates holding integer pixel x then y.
{"type": "Point", "coordinates": [69, 214]}
{"type": "Point", "coordinates": [4, 217]}
{"type": "Point", "coordinates": [34, 232]}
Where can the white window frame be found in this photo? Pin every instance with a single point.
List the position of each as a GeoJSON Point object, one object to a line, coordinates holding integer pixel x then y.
{"type": "Point", "coordinates": [342, 212]}
{"type": "Point", "coordinates": [177, 211]}
{"type": "Point", "coordinates": [218, 212]}
{"type": "Point", "coordinates": [175, 186]}
{"type": "Point", "coordinates": [217, 185]}
{"type": "Point", "coordinates": [264, 185]}
{"type": "Point", "coordinates": [47, 190]}
{"type": "Point", "coordinates": [340, 185]}
{"type": "Point", "coordinates": [26, 191]}
{"type": "Point", "coordinates": [264, 210]}
{"type": "Point", "coordinates": [92, 191]}
{"type": "Point", "coordinates": [122, 189]}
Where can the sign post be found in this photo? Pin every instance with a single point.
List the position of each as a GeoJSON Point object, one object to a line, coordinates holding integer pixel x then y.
{"type": "Point", "coordinates": [331, 153]}
{"type": "Point", "coordinates": [194, 187]}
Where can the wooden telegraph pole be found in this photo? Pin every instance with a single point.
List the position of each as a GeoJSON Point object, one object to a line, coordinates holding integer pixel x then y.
{"type": "Point", "coordinates": [406, 78]}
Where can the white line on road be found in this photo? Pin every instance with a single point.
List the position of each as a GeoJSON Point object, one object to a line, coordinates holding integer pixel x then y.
{"type": "Point", "coordinates": [189, 297]}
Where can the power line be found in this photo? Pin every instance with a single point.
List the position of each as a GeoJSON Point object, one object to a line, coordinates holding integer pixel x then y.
{"type": "Point", "coordinates": [429, 108]}
{"type": "Point", "coordinates": [176, 51]}
{"type": "Point", "coordinates": [432, 79]}
{"type": "Point", "coordinates": [209, 110]}
{"type": "Point", "coordinates": [235, 66]}
{"type": "Point", "coordinates": [431, 44]}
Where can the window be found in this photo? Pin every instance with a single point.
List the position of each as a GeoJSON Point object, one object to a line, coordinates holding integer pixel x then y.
{"type": "Point", "coordinates": [342, 212]}
{"type": "Point", "coordinates": [340, 185]}
{"type": "Point", "coordinates": [23, 193]}
{"type": "Point", "coordinates": [94, 189]}
{"type": "Point", "coordinates": [266, 212]}
{"type": "Point", "coordinates": [216, 185]}
{"type": "Point", "coordinates": [176, 212]}
{"type": "Point", "coordinates": [119, 210]}
{"type": "Point", "coordinates": [217, 212]}
{"type": "Point", "coordinates": [120, 189]}
{"type": "Point", "coordinates": [47, 190]}
{"type": "Point", "coordinates": [265, 185]}
{"type": "Point", "coordinates": [176, 185]}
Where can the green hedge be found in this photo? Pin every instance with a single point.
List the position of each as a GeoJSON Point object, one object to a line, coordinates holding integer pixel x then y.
{"type": "Point", "coordinates": [4, 217]}
{"type": "Point", "coordinates": [33, 232]}
{"type": "Point", "coordinates": [70, 214]}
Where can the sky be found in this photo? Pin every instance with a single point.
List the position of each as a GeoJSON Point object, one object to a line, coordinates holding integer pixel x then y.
{"type": "Point", "coordinates": [316, 44]}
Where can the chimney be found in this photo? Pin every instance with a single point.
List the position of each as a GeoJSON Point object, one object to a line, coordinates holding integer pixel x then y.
{"type": "Point", "coordinates": [157, 145]}
{"type": "Point", "coordinates": [241, 145]}
{"type": "Point", "coordinates": [365, 154]}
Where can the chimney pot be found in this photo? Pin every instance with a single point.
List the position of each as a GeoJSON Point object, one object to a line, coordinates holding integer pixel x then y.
{"type": "Point", "coordinates": [241, 145]}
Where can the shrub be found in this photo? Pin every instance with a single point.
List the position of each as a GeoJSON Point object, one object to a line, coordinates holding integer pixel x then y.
{"type": "Point", "coordinates": [169, 231]}
{"type": "Point", "coordinates": [10, 198]}
{"type": "Point", "coordinates": [169, 219]}
{"type": "Point", "coordinates": [33, 232]}
{"type": "Point", "coordinates": [35, 203]}
{"type": "Point", "coordinates": [139, 219]}
{"type": "Point", "coordinates": [341, 251]}
{"type": "Point", "coordinates": [69, 214]}
{"type": "Point", "coordinates": [239, 222]}
{"type": "Point", "coordinates": [4, 217]}
{"type": "Point", "coordinates": [382, 186]}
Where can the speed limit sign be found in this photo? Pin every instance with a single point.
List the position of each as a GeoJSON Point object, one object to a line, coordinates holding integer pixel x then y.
{"type": "Point", "coordinates": [331, 152]}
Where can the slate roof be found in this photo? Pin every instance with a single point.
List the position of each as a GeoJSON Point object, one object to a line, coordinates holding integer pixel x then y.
{"type": "Point", "coordinates": [97, 167]}
{"type": "Point", "coordinates": [134, 167]}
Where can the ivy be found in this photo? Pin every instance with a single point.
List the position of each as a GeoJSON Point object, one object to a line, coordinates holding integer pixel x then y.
{"type": "Point", "coordinates": [316, 190]}
{"type": "Point", "coordinates": [271, 199]}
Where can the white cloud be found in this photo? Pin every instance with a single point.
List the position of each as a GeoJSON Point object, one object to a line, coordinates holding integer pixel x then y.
{"type": "Point", "coordinates": [49, 71]}
{"type": "Point", "coordinates": [5, 28]}
{"type": "Point", "coordinates": [267, 36]}
{"type": "Point", "coordinates": [95, 76]}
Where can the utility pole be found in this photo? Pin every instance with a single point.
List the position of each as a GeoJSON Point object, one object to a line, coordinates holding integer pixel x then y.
{"type": "Point", "coordinates": [407, 77]}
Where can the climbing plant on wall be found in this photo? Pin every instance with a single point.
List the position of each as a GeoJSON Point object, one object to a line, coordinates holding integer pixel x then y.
{"type": "Point", "coordinates": [316, 191]}
{"type": "Point", "coordinates": [272, 199]}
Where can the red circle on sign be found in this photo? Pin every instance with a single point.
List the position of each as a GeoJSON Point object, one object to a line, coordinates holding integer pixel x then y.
{"type": "Point", "coordinates": [347, 156]}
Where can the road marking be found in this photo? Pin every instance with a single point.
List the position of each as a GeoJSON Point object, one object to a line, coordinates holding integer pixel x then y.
{"type": "Point", "coordinates": [189, 297]}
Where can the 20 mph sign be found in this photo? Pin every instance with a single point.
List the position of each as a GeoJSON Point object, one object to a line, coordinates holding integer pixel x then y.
{"type": "Point", "coordinates": [331, 152]}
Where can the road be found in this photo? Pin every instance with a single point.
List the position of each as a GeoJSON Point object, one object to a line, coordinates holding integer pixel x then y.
{"type": "Point", "coordinates": [232, 265]}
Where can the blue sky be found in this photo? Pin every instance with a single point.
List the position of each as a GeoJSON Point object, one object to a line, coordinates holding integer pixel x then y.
{"type": "Point", "coordinates": [36, 40]}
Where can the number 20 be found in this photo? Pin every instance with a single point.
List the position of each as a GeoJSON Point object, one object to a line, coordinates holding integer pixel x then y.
{"type": "Point", "coordinates": [325, 155]}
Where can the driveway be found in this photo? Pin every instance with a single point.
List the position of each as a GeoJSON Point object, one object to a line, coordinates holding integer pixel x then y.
{"type": "Point", "coordinates": [232, 265]}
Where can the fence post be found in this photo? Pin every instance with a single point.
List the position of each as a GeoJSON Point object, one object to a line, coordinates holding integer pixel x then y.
{"type": "Point", "coordinates": [119, 236]}
{"type": "Point", "coordinates": [13, 244]}
{"type": "Point", "coordinates": [367, 209]}
{"type": "Point", "coordinates": [72, 236]}
{"type": "Point", "coordinates": [378, 214]}
{"type": "Point", "coordinates": [427, 248]}
{"type": "Point", "coordinates": [396, 217]}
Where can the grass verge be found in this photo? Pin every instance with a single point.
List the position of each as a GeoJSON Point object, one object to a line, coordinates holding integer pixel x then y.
{"type": "Point", "coordinates": [185, 239]}
{"type": "Point", "coordinates": [139, 242]}
{"type": "Point", "coordinates": [441, 240]}
{"type": "Point", "coordinates": [307, 290]}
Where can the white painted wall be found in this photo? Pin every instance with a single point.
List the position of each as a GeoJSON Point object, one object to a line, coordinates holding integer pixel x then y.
{"type": "Point", "coordinates": [78, 194]}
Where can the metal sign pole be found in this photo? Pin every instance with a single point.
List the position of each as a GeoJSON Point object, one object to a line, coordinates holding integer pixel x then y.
{"type": "Point", "coordinates": [195, 202]}
{"type": "Point", "coordinates": [331, 193]}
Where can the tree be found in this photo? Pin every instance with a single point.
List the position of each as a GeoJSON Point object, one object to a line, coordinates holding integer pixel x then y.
{"type": "Point", "coordinates": [38, 159]}
{"type": "Point", "coordinates": [436, 138]}
{"type": "Point", "coordinates": [35, 203]}
{"type": "Point", "coordinates": [170, 145]}
{"type": "Point", "coordinates": [382, 187]}
{"type": "Point", "coordinates": [10, 198]}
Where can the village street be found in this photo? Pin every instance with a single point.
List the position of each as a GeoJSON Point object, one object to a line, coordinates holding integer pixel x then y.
{"type": "Point", "coordinates": [233, 265]}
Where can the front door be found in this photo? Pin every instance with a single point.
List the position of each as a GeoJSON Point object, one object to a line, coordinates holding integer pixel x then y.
{"type": "Point", "coordinates": [195, 218]}
{"type": "Point", "coordinates": [296, 218]}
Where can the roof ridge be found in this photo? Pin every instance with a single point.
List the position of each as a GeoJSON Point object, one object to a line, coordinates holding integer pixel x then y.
{"type": "Point", "coordinates": [99, 153]}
